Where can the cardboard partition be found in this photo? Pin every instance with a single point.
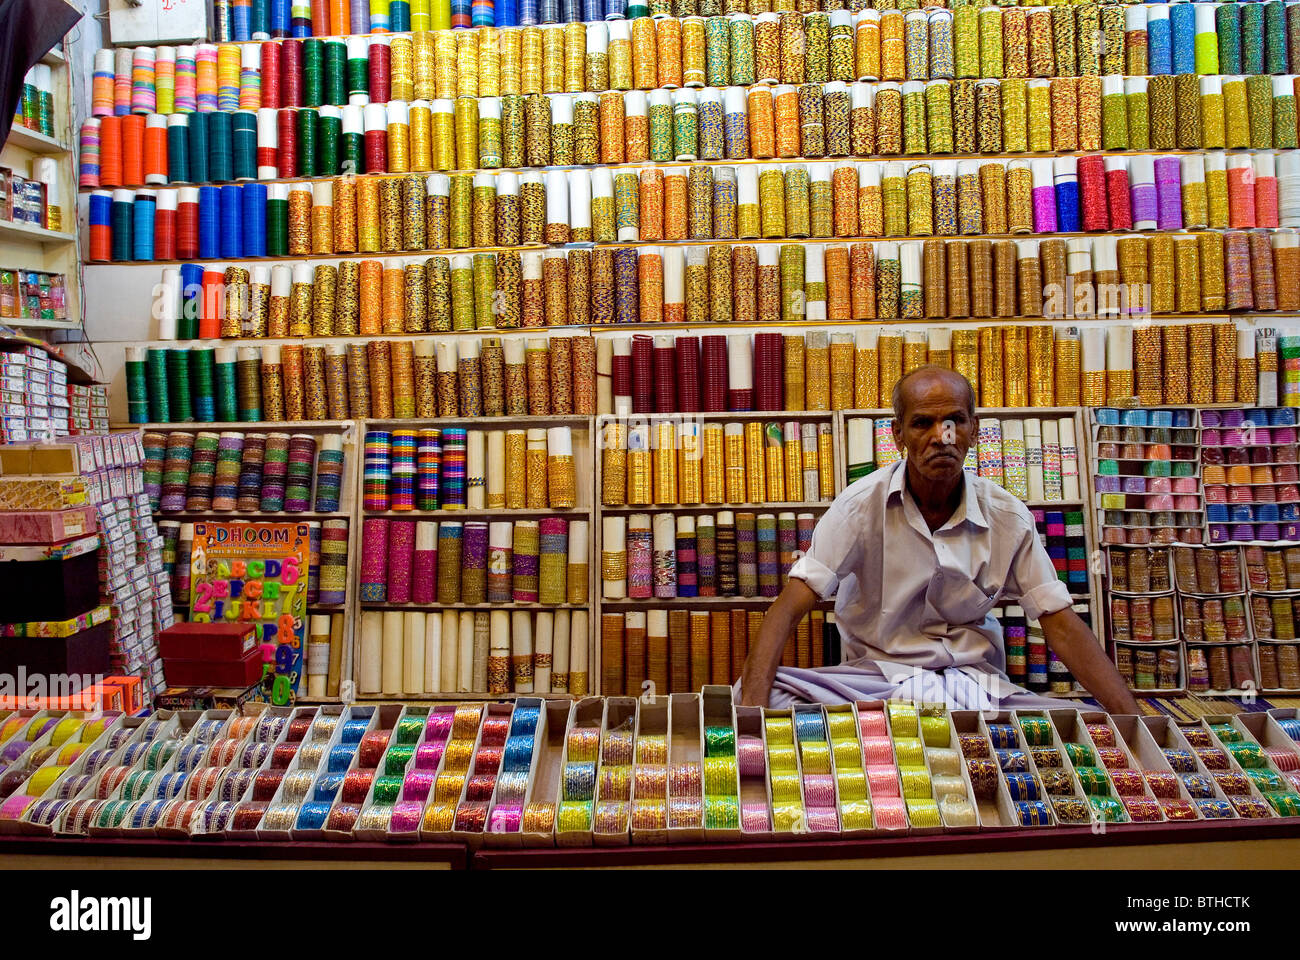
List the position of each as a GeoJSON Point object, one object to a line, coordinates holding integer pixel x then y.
{"type": "Point", "coordinates": [962, 772]}
{"type": "Point", "coordinates": [754, 790]}
{"type": "Point", "coordinates": [1057, 744]}
{"type": "Point", "coordinates": [1207, 723]}
{"type": "Point", "coordinates": [23, 823]}
{"type": "Point", "coordinates": [717, 709]}
{"type": "Point", "coordinates": [848, 717]}
{"type": "Point", "coordinates": [967, 723]}
{"type": "Point", "coordinates": [799, 828]}
{"type": "Point", "coordinates": [685, 745]}
{"type": "Point", "coordinates": [1263, 730]}
{"type": "Point", "coordinates": [1007, 806]}
{"type": "Point", "coordinates": [1147, 754]}
{"type": "Point", "coordinates": [878, 706]}
{"type": "Point", "coordinates": [588, 714]}
{"type": "Point", "coordinates": [511, 838]}
{"type": "Point", "coordinates": [481, 766]}
{"type": "Point", "coordinates": [378, 718]}
{"type": "Point", "coordinates": [315, 768]}
{"type": "Point", "coordinates": [651, 721]}
{"type": "Point", "coordinates": [621, 719]}
{"type": "Point", "coordinates": [378, 834]}
{"type": "Point", "coordinates": [548, 760]}
{"type": "Point", "coordinates": [199, 728]}
{"type": "Point", "coordinates": [294, 713]}
{"type": "Point", "coordinates": [815, 710]}
{"type": "Point", "coordinates": [455, 743]}
{"type": "Point", "coordinates": [1167, 736]}
{"type": "Point", "coordinates": [124, 730]}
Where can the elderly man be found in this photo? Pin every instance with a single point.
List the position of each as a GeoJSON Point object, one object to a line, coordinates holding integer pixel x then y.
{"type": "Point", "coordinates": [916, 556]}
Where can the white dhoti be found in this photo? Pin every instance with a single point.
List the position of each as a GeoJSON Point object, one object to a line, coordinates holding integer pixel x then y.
{"type": "Point", "coordinates": [972, 687]}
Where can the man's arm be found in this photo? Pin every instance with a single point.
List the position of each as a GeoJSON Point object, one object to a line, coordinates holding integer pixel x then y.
{"type": "Point", "coordinates": [1076, 645]}
{"type": "Point", "coordinates": [765, 655]}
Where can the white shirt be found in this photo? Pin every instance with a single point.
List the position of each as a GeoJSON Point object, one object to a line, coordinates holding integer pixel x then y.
{"type": "Point", "coordinates": [907, 596]}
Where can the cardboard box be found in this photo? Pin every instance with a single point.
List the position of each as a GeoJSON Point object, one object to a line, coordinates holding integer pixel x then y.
{"type": "Point", "coordinates": [84, 652]}
{"type": "Point", "coordinates": [203, 698]}
{"type": "Point", "coordinates": [52, 588]}
{"type": "Point", "coordinates": [218, 673]}
{"type": "Point", "coordinates": [231, 642]}
{"type": "Point", "coordinates": [47, 526]}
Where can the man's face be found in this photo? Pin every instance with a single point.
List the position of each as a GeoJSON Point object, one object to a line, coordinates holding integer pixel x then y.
{"type": "Point", "coordinates": [936, 429]}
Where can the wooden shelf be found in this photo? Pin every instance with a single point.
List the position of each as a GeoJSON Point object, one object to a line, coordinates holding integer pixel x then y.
{"type": "Point", "coordinates": [41, 324]}
{"type": "Point", "coordinates": [507, 605]}
{"type": "Point", "coordinates": [274, 426]}
{"type": "Point", "coordinates": [26, 231]}
{"type": "Point", "coordinates": [684, 602]}
{"type": "Point", "coordinates": [454, 515]}
{"type": "Point", "coordinates": [719, 507]}
{"type": "Point", "coordinates": [483, 423]}
{"type": "Point", "coordinates": [217, 516]}
{"type": "Point", "coordinates": [449, 697]}
{"type": "Point", "coordinates": [54, 56]}
{"type": "Point", "coordinates": [35, 141]}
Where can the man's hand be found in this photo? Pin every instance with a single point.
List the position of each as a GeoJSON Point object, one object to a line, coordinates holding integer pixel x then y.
{"type": "Point", "coordinates": [765, 654]}
{"type": "Point", "coordinates": [1077, 646]}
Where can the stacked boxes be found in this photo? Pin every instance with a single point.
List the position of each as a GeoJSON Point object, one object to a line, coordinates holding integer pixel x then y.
{"type": "Point", "coordinates": [131, 576]}
{"type": "Point", "coordinates": [87, 408]}
{"type": "Point", "coordinates": [33, 396]}
{"type": "Point", "coordinates": [32, 295]}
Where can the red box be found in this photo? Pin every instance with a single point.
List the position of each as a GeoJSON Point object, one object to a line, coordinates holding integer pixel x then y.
{"type": "Point", "coordinates": [228, 642]}
{"type": "Point", "coordinates": [214, 673]}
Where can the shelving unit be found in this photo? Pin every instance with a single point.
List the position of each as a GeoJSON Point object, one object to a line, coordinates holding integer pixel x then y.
{"type": "Point", "coordinates": [584, 457]}
{"type": "Point", "coordinates": [25, 246]}
{"type": "Point", "coordinates": [349, 507]}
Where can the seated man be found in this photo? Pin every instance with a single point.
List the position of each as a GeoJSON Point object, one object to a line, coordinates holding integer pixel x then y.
{"type": "Point", "coordinates": [916, 556]}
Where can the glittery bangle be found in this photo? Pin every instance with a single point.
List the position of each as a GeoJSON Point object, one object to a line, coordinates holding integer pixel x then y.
{"type": "Point", "coordinates": [583, 744]}
{"type": "Point", "coordinates": [428, 755]}
{"type": "Point", "coordinates": [465, 722]}
{"type": "Point", "coordinates": [495, 731]}
{"type": "Point", "coordinates": [539, 817]}
{"type": "Point", "coordinates": [439, 725]}
{"type": "Point", "coordinates": [816, 757]}
{"type": "Point", "coordinates": [983, 774]}
{"type": "Point", "coordinates": [354, 730]}
{"type": "Point", "coordinates": [973, 745]}
{"type": "Point", "coordinates": [1070, 809]}
{"type": "Point", "coordinates": [340, 757]}
{"type": "Point", "coordinates": [439, 817]}
{"type": "Point", "coordinates": [684, 780]}
{"type": "Point", "coordinates": [685, 812]}
{"type": "Point", "coordinates": [280, 816]}
{"type": "Point", "coordinates": [574, 816]}
{"type": "Point", "coordinates": [780, 730]}
{"type": "Point", "coordinates": [235, 784]}
{"type": "Point", "coordinates": [297, 783]}
{"type": "Point", "coordinates": [457, 756]}
{"type": "Point", "coordinates": [719, 776]}
{"type": "Point", "coordinates": [282, 755]}
{"type": "Point", "coordinates": [719, 741]}
{"type": "Point", "coordinates": [1046, 757]}
{"type": "Point", "coordinates": [579, 781]}
{"type": "Point", "coordinates": [1080, 754]}
{"type": "Point", "coordinates": [617, 748]}
{"type": "Point", "coordinates": [909, 750]}
{"type": "Point", "coordinates": [417, 785]}
{"type": "Point", "coordinates": [1057, 782]}
{"type": "Point", "coordinates": [372, 747]}
{"type": "Point", "coordinates": [309, 754]}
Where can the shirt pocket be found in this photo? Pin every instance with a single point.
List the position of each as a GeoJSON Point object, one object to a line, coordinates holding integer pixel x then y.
{"type": "Point", "coordinates": [958, 599]}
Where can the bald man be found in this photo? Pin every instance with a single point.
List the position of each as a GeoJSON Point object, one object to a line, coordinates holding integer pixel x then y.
{"type": "Point", "coordinates": [916, 556]}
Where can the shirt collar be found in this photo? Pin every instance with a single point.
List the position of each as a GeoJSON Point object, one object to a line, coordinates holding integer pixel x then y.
{"type": "Point", "coordinates": [968, 509]}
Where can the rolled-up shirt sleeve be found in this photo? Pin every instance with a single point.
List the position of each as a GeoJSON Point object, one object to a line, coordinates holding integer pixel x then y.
{"type": "Point", "coordinates": [1033, 580]}
{"type": "Point", "coordinates": [834, 553]}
